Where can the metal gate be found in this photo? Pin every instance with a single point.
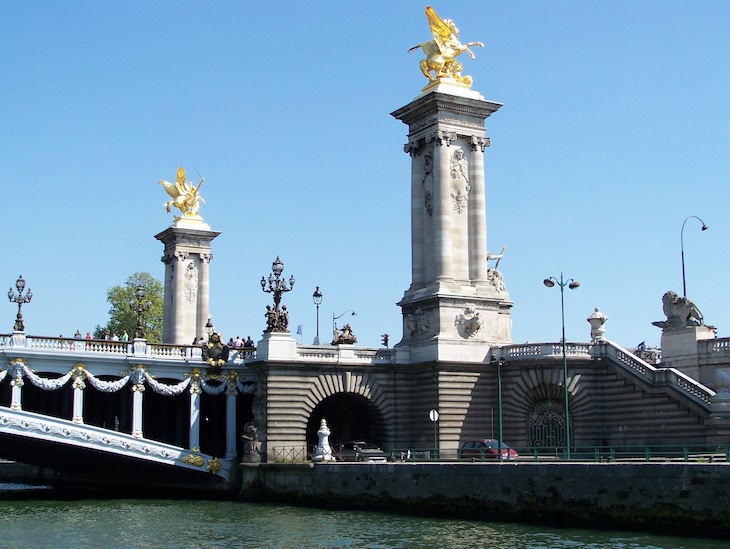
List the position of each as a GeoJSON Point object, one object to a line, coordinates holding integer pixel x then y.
{"type": "Point", "coordinates": [546, 424]}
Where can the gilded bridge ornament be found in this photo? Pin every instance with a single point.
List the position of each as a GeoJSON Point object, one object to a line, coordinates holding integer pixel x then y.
{"type": "Point", "coordinates": [185, 196]}
{"type": "Point", "coordinates": [442, 51]}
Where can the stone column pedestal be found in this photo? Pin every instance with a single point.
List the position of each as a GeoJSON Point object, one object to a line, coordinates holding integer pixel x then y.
{"type": "Point", "coordinates": [679, 348]}
{"type": "Point", "coordinates": [276, 346]}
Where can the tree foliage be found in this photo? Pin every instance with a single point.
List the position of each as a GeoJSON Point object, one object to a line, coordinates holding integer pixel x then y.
{"type": "Point", "coordinates": [121, 315]}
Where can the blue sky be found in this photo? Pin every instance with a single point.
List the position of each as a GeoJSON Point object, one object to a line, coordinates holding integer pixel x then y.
{"type": "Point", "coordinates": [615, 128]}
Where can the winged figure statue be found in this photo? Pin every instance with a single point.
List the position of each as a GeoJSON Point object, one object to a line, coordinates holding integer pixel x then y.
{"type": "Point", "coordinates": [442, 51]}
{"type": "Point", "coordinates": [184, 195]}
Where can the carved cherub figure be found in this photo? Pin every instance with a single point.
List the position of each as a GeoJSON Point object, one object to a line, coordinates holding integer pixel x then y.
{"type": "Point", "coordinates": [442, 51]}
{"type": "Point", "coordinates": [184, 195]}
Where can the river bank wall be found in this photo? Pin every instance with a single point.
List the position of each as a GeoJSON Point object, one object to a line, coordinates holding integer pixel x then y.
{"type": "Point", "coordinates": [681, 499]}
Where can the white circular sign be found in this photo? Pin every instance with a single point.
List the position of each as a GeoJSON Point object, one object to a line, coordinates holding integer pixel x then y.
{"type": "Point", "coordinates": [434, 415]}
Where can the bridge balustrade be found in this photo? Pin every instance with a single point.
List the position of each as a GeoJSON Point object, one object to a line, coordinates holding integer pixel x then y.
{"type": "Point", "coordinates": [82, 362]}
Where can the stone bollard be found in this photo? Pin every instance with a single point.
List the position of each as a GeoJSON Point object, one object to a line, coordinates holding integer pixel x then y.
{"type": "Point", "coordinates": [323, 451]}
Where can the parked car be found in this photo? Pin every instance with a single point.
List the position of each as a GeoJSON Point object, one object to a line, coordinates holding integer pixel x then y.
{"type": "Point", "coordinates": [477, 450]}
{"type": "Point", "coordinates": [358, 450]}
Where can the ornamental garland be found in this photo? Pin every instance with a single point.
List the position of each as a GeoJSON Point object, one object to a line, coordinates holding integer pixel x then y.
{"type": "Point", "coordinates": [45, 383]}
{"type": "Point", "coordinates": [166, 390]}
{"type": "Point", "coordinates": [105, 386]}
{"type": "Point", "coordinates": [114, 386]}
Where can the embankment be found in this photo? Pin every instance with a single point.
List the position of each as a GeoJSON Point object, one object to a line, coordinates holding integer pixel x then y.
{"type": "Point", "coordinates": [684, 499]}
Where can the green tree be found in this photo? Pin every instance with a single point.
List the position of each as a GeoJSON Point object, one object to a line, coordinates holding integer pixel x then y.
{"type": "Point", "coordinates": [121, 315]}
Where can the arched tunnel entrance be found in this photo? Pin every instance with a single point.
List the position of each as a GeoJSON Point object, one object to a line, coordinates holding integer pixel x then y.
{"type": "Point", "coordinates": [349, 417]}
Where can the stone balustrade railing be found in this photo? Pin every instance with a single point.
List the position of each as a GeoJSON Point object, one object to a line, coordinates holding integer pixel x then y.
{"type": "Point", "coordinates": [538, 351]}
{"type": "Point", "coordinates": [125, 348]}
{"type": "Point", "coordinates": [653, 375]}
{"type": "Point", "coordinates": [648, 373]}
{"type": "Point", "coordinates": [714, 348]}
{"type": "Point", "coordinates": [337, 353]}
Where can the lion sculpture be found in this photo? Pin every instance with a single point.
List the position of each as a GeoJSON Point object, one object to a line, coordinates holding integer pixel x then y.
{"type": "Point", "coordinates": [680, 312]}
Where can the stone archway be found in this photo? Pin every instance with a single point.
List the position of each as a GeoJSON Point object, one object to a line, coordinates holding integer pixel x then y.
{"type": "Point", "coordinates": [349, 417]}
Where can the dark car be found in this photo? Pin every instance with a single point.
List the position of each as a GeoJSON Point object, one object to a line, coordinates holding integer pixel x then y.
{"type": "Point", "coordinates": [358, 450]}
{"type": "Point", "coordinates": [477, 450]}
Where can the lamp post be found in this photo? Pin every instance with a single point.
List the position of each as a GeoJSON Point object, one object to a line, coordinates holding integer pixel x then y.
{"type": "Point", "coordinates": [681, 244]}
{"type": "Point", "coordinates": [499, 362]}
{"type": "Point", "coordinates": [139, 306]}
{"type": "Point", "coordinates": [20, 299]}
{"type": "Point", "coordinates": [334, 318]}
{"type": "Point", "coordinates": [277, 320]}
{"type": "Point", "coordinates": [209, 328]}
{"type": "Point", "coordinates": [317, 298]}
{"type": "Point", "coordinates": [572, 284]}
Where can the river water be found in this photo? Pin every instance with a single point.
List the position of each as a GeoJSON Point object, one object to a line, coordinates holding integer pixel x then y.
{"type": "Point", "coordinates": [61, 523]}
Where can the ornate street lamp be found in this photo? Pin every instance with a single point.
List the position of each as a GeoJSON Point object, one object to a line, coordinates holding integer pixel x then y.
{"type": "Point", "coordinates": [209, 328]}
{"type": "Point", "coordinates": [681, 243]}
{"type": "Point", "coordinates": [277, 319]}
{"type": "Point", "coordinates": [317, 298]}
{"type": "Point", "coordinates": [20, 299]}
{"type": "Point", "coordinates": [334, 318]}
{"type": "Point", "coordinates": [572, 284]}
{"type": "Point", "coordinates": [139, 306]}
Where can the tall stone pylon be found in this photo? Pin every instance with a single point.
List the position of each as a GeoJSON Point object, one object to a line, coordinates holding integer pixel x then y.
{"type": "Point", "coordinates": [187, 259]}
{"type": "Point", "coordinates": [457, 306]}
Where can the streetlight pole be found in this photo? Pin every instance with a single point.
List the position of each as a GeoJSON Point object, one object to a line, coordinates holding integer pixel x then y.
{"type": "Point", "coordinates": [681, 244]}
{"type": "Point", "coordinates": [499, 362]}
{"type": "Point", "coordinates": [334, 318]}
{"type": "Point", "coordinates": [20, 299]}
{"type": "Point", "coordinates": [572, 284]}
{"type": "Point", "coordinates": [317, 298]}
{"type": "Point", "coordinates": [139, 306]}
{"type": "Point", "coordinates": [277, 319]}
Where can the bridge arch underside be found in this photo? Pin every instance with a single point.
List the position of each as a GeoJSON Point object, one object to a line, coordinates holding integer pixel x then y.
{"type": "Point", "coordinates": [605, 407]}
{"type": "Point", "coordinates": [165, 417]}
{"type": "Point", "coordinates": [74, 466]}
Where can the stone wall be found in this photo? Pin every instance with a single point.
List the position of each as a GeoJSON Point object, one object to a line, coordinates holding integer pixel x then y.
{"type": "Point", "coordinates": [685, 499]}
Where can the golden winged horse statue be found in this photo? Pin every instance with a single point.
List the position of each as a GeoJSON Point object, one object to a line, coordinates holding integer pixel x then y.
{"type": "Point", "coordinates": [442, 51]}
{"type": "Point", "coordinates": [184, 195]}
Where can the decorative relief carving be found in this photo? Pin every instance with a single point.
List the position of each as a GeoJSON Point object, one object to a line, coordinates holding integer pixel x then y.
{"type": "Point", "coordinates": [459, 171]}
{"type": "Point", "coordinates": [423, 123]}
{"type": "Point", "coordinates": [193, 459]}
{"type": "Point", "coordinates": [191, 283]}
{"type": "Point", "coordinates": [468, 323]}
{"type": "Point", "coordinates": [181, 256]}
{"type": "Point", "coordinates": [418, 323]}
{"type": "Point", "coordinates": [463, 120]}
{"type": "Point", "coordinates": [428, 181]}
{"type": "Point", "coordinates": [206, 258]}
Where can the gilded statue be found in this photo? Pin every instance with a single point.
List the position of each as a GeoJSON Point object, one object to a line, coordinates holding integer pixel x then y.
{"type": "Point", "coordinates": [442, 51]}
{"type": "Point", "coordinates": [185, 195]}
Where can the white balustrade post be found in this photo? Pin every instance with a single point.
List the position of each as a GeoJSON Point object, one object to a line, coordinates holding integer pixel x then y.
{"type": "Point", "coordinates": [231, 421]}
{"type": "Point", "coordinates": [137, 392]}
{"type": "Point", "coordinates": [195, 416]}
{"type": "Point", "coordinates": [79, 386]}
{"type": "Point", "coordinates": [16, 395]}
